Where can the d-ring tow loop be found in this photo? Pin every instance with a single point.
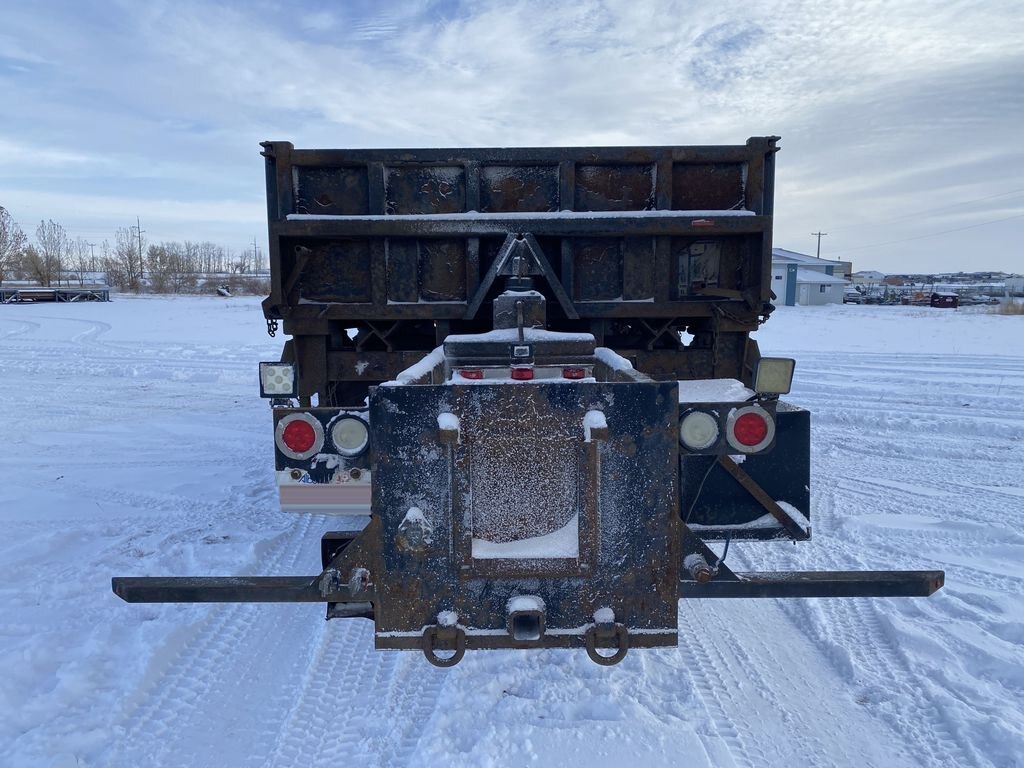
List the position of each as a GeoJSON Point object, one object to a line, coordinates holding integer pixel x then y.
{"type": "Point", "coordinates": [615, 632]}
{"type": "Point", "coordinates": [433, 635]}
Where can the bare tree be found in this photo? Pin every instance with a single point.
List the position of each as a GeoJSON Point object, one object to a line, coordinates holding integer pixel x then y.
{"type": "Point", "coordinates": [192, 255]}
{"type": "Point", "coordinates": [127, 258]}
{"type": "Point", "coordinates": [12, 243]}
{"type": "Point", "coordinates": [80, 250]}
{"type": "Point", "coordinates": [241, 263]}
{"type": "Point", "coordinates": [54, 251]}
{"type": "Point", "coordinates": [33, 265]}
{"type": "Point", "coordinates": [170, 268]}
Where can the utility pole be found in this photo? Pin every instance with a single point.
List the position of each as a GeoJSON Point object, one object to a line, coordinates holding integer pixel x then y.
{"type": "Point", "coordinates": [255, 257]}
{"type": "Point", "coordinates": [819, 235]}
{"type": "Point", "coordinates": [92, 256]}
{"type": "Point", "coordinates": [138, 227]}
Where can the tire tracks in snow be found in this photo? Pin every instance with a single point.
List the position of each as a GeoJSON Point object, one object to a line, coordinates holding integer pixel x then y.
{"type": "Point", "coordinates": [853, 629]}
{"type": "Point", "coordinates": [366, 707]}
{"type": "Point", "coordinates": [920, 486]}
{"type": "Point", "coordinates": [30, 327]}
{"type": "Point", "coordinates": [715, 679]}
{"type": "Point", "coordinates": [209, 665]}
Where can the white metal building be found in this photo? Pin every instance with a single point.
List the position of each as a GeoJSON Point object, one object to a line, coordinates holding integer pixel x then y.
{"type": "Point", "coordinates": [801, 279]}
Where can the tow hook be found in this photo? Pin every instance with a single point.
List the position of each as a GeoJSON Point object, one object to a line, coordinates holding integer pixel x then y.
{"type": "Point", "coordinates": [606, 635]}
{"type": "Point", "coordinates": [444, 638]}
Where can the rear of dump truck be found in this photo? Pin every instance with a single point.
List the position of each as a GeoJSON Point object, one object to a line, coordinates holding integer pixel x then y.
{"type": "Point", "coordinates": [378, 256]}
{"type": "Point", "coordinates": [524, 381]}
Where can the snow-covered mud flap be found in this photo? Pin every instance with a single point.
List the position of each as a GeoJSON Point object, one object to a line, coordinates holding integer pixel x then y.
{"type": "Point", "coordinates": [529, 516]}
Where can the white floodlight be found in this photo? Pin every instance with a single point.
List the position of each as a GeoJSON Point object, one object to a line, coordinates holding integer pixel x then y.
{"type": "Point", "coordinates": [278, 380]}
{"type": "Point", "coordinates": [774, 375]}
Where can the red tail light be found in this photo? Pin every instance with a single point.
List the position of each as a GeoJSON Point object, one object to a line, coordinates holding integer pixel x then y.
{"type": "Point", "coordinates": [471, 373]}
{"type": "Point", "coordinates": [750, 429]}
{"type": "Point", "coordinates": [574, 373]}
{"type": "Point", "coordinates": [299, 436]}
{"type": "Point", "coordinates": [522, 374]}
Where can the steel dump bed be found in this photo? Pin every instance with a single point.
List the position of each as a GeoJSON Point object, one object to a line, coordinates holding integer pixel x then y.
{"type": "Point", "coordinates": [637, 244]}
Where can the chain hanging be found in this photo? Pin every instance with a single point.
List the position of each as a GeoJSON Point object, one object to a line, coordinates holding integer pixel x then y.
{"type": "Point", "coordinates": [271, 327]}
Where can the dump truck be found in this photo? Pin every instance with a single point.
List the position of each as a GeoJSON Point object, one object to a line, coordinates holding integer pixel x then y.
{"type": "Point", "coordinates": [524, 382]}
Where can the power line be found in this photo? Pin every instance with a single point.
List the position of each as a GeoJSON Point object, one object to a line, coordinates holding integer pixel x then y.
{"type": "Point", "coordinates": [930, 234]}
{"type": "Point", "coordinates": [922, 212]}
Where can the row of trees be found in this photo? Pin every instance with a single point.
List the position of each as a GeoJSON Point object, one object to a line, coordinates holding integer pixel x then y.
{"type": "Point", "coordinates": [54, 258]}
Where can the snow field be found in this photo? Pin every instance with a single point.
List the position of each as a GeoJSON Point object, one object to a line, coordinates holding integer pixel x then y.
{"type": "Point", "coordinates": [136, 443]}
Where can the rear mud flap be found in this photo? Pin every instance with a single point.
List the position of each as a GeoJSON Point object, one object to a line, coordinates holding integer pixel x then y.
{"type": "Point", "coordinates": [762, 497]}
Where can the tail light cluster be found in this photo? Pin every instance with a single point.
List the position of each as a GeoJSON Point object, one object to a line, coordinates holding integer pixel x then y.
{"type": "Point", "coordinates": [523, 373]}
{"type": "Point", "coordinates": [301, 435]}
{"type": "Point", "coordinates": [727, 429]}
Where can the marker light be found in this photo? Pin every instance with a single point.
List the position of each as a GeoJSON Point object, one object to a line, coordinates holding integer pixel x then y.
{"type": "Point", "coordinates": [299, 435]}
{"type": "Point", "coordinates": [774, 375]}
{"type": "Point", "coordinates": [278, 380]}
{"type": "Point", "coordinates": [522, 373]}
{"type": "Point", "coordinates": [749, 429]}
{"type": "Point", "coordinates": [698, 430]}
{"type": "Point", "coordinates": [350, 435]}
{"type": "Point", "coordinates": [471, 373]}
{"type": "Point", "coordinates": [574, 373]}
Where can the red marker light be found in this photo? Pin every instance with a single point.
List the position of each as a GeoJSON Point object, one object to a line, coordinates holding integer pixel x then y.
{"type": "Point", "coordinates": [472, 373]}
{"type": "Point", "coordinates": [750, 429]}
{"type": "Point", "coordinates": [299, 436]}
{"type": "Point", "coordinates": [522, 374]}
{"type": "Point", "coordinates": [574, 373]}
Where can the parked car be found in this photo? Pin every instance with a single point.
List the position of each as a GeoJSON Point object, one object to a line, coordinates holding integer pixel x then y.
{"type": "Point", "coordinates": [853, 297]}
{"type": "Point", "coordinates": [948, 300]}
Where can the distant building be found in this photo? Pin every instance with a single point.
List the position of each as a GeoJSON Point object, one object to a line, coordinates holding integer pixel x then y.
{"type": "Point", "coordinates": [1014, 285]}
{"type": "Point", "coordinates": [801, 279]}
{"type": "Point", "coordinates": [867, 277]}
{"type": "Point", "coordinates": [843, 269]}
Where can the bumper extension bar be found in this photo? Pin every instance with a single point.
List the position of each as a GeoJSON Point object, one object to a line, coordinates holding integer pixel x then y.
{"type": "Point", "coordinates": [306, 589]}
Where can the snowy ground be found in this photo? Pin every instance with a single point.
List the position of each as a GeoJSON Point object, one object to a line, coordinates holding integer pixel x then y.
{"type": "Point", "coordinates": [135, 443]}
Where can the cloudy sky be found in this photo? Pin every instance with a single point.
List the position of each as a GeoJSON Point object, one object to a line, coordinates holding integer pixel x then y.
{"type": "Point", "coordinates": [902, 123]}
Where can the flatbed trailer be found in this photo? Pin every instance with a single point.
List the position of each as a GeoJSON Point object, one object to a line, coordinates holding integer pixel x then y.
{"type": "Point", "coordinates": [33, 294]}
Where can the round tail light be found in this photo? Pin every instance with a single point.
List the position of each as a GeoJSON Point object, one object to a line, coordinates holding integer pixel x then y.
{"type": "Point", "coordinates": [750, 429]}
{"type": "Point", "coordinates": [299, 435]}
{"type": "Point", "coordinates": [698, 430]}
{"type": "Point", "coordinates": [350, 436]}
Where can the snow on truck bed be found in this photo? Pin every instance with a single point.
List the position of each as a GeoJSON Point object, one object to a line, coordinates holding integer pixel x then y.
{"type": "Point", "coordinates": [517, 216]}
{"type": "Point", "coordinates": [135, 443]}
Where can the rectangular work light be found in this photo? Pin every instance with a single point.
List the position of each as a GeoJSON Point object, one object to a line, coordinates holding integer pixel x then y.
{"type": "Point", "coordinates": [774, 375]}
{"type": "Point", "coordinates": [278, 380]}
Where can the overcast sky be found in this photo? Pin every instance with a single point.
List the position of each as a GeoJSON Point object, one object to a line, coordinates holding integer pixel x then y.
{"type": "Point", "coordinates": [902, 124]}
